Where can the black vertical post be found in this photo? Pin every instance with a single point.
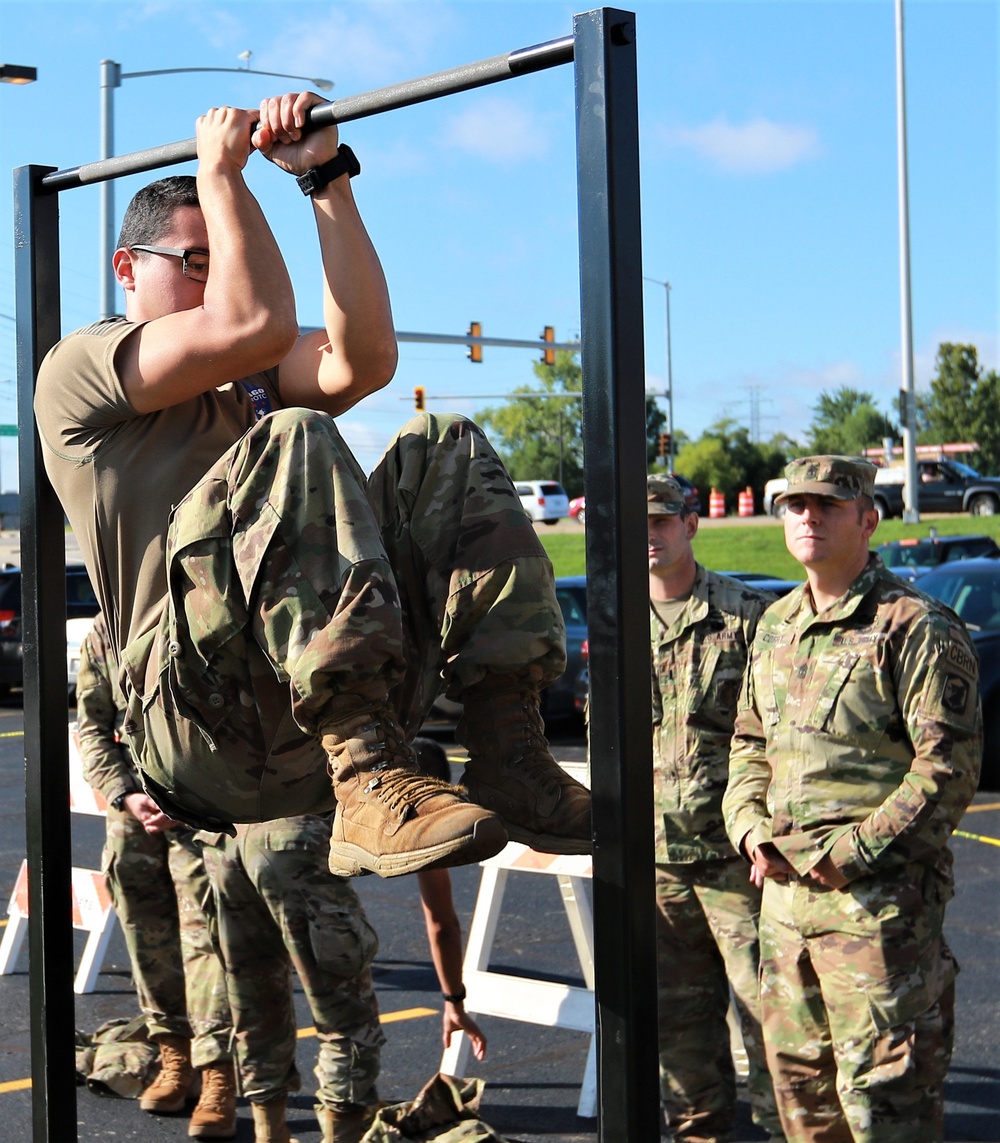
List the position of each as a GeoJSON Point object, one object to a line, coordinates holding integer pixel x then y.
{"type": "Point", "coordinates": [46, 753]}
{"type": "Point", "coordinates": [614, 434]}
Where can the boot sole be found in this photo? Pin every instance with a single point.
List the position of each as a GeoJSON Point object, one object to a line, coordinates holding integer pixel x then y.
{"type": "Point", "coordinates": [163, 1107]}
{"type": "Point", "coordinates": [548, 843]}
{"type": "Point", "coordinates": [212, 1132]}
{"type": "Point", "coordinates": [487, 839]}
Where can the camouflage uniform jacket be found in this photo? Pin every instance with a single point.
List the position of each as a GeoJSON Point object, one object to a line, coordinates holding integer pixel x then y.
{"type": "Point", "coordinates": [698, 664]}
{"type": "Point", "coordinates": [859, 731]}
{"type": "Point", "coordinates": [107, 763]}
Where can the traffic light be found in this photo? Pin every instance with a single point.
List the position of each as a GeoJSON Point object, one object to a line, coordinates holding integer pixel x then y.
{"type": "Point", "coordinates": [418, 398]}
{"type": "Point", "coordinates": [664, 444]}
{"type": "Point", "coordinates": [549, 355]}
{"type": "Point", "coordinates": [475, 351]}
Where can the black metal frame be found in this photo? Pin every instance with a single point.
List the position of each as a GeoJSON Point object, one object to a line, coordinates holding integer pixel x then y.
{"type": "Point", "coordinates": [602, 49]}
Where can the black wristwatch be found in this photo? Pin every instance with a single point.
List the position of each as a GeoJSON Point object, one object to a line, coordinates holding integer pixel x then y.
{"type": "Point", "coordinates": [119, 802]}
{"type": "Point", "coordinates": [458, 998]}
{"type": "Point", "coordinates": [345, 162]}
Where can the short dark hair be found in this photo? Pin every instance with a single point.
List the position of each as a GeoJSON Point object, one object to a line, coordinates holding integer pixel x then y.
{"type": "Point", "coordinates": [151, 211]}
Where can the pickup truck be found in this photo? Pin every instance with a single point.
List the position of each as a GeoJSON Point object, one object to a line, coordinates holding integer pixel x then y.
{"type": "Point", "coordinates": [944, 486]}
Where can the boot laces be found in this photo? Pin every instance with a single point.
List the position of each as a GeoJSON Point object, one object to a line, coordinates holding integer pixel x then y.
{"type": "Point", "coordinates": [402, 788]}
{"type": "Point", "coordinates": [534, 760]}
{"type": "Point", "coordinates": [216, 1088]}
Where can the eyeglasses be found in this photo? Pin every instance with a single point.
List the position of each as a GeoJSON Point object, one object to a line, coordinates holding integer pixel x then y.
{"type": "Point", "coordinates": [193, 262]}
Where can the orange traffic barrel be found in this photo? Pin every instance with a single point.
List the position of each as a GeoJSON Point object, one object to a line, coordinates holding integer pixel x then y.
{"type": "Point", "coordinates": [746, 502]}
{"type": "Point", "coordinates": [716, 504]}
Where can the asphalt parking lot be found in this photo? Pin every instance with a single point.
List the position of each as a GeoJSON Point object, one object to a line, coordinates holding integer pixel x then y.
{"type": "Point", "coordinates": [533, 1074]}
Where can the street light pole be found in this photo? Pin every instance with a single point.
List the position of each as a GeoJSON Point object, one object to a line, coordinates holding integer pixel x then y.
{"type": "Point", "coordinates": [670, 378]}
{"type": "Point", "coordinates": [111, 77]}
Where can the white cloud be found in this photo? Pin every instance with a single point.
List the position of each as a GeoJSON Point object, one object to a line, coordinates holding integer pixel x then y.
{"type": "Point", "coordinates": [498, 129]}
{"type": "Point", "coordinates": [756, 147]}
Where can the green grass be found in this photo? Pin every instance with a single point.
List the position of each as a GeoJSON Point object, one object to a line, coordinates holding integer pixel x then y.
{"type": "Point", "coordinates": [761, 547]}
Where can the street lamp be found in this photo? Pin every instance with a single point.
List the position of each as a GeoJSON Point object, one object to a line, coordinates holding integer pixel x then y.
{"type": "Point", "coordinates": [14, 73]}
{"type": "Point", "coordinates": [111, 77]}
{"type": "Point", "coordinates": [670, 378]}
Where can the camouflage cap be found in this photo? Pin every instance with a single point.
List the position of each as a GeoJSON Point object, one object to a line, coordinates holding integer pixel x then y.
{"type": "Point", "coordinates": [664, 496]}
{"type": "Point", "coordinates": [842, 477]}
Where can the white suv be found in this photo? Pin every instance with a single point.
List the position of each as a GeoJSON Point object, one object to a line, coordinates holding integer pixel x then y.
{"type": "Point", "coordinates": [545, 501]}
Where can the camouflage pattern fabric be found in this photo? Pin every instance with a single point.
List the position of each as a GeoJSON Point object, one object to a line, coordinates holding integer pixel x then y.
{"type": "Point", "coordinates": [284, 607]}
{"type": "Point", "coordinates": [706, 943]}
{"type": "Point", "coordinates": [698, 665]}
{"type": "Point", "coordinates": [858, 993]}
{"type": "Point", "coordinates": [706, 908]}
{"type": "Point", "coordinates": [842, 477]}
{"type": "Point", "coordinates": [278, 908]}
{"type": "Point", "coordinates": [446, 1110]}
{"type": "Point", "coordinates": [858, 737]}
{"type": "Point", "coordinates": [118, 1059]}
{"type": "Point", "coordinates": [160, 888]}
{"type": "Point", "coordinates": [157, 881]}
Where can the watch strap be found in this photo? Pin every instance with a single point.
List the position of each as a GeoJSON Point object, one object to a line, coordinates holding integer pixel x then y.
{"type": "Point", "coordinates": [345, 162]}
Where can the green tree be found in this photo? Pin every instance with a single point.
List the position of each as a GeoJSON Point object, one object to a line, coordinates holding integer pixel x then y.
{"type": "Point", "coordinates": [725, 458]}
{"type": "Point", "coordinates": [540, 437]}
{"type": "Point", "coordinates": [847, 421]}
{"type": "Point", "coordinates": [965, 404]}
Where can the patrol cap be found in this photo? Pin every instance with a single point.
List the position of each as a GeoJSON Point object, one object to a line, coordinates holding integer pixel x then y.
{"type": "Point", "coordinates": [664, 496]}
{"type": "Point", "coordinates": [842, 477]}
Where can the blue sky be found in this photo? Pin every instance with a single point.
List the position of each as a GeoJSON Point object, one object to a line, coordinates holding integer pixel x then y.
{"type": "Point", "coordinates": [768, 150]}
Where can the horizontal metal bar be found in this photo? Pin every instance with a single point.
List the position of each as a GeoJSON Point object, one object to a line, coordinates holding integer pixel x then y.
{"type": "Point", "coordinates": [463, 78]}
{"type": "Point", "coordinates": [465, 339]}
{"type": "Point", "coordinates": [494, 396]}
{"type": "Point", "coordinates": [508, 342]}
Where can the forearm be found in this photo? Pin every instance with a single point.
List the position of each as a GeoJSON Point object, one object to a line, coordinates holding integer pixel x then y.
{"type": "Point", "coordinates": [249, 291]}
{"type": "Point", "coordinates": [361, 351]}
{"type": "Point", "coordinates": [916, 820]}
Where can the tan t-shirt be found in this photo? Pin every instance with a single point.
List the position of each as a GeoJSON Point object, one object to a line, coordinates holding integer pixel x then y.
{"type": "Point", "coordinates": [118, 473]}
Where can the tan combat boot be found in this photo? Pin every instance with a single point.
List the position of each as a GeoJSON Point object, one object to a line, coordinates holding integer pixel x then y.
{"type": "Point", "coordinates": [390, 818]}
{"type": "Point", "coordinates": [170, 1090]}
{"type": "Point", "coordinates": [269, 1124]}
{"type": "Point", "coordinates": [344, 1126]}
{"type": "Point", "coordinates": [512, 772]}
{"type": "Point", "coordinates": [214, 1116]}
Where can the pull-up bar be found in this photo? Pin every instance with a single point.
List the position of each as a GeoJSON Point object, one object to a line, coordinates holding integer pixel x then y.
{"type": "Point", "coordinates": [602, 50]}
{"type": "Point", "coordinates": [524, 61]}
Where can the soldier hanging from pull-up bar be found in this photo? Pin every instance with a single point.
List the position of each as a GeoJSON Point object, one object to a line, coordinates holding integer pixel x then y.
{"type": "Point", "coordinates": [277, 618]}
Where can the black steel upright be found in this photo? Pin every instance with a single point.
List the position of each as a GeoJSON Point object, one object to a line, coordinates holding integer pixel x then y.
{"type": "Point", "coordinates": [46, 753]}
{"type": "Point", "coordinates": [603, 48]}
{"type": "Point", "coordinates": [614, 440]}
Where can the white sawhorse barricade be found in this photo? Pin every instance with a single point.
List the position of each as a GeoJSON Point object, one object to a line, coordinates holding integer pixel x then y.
{"type": "Point", "coordinates": [518, 998]}
{"type": "Point", "coordinates": [92, 908]}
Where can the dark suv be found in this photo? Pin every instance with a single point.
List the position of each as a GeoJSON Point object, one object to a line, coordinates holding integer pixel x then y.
{"type": "Point", "coordinates": [81, 602]}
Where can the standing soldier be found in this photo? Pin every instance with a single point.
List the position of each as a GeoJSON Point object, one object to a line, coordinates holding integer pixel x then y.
{"type": "Point", "coordinates": [279, 907]}
{"type": "Point", "coordinates": [701, 625]}
{"type": "Point", "coordinates": [158, 884]}
{"type": "Point", "coordinates": [856, 750]}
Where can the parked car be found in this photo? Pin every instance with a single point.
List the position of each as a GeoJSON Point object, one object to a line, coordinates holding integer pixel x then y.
{"type": "Point", "coordinates": [545, 501]}
{"type": "Point", "coordinates": [769, 583]}
{"type": "Point", "coordinates": [76, 631]}
{"type": "Point", "coordinates": [81, 602]}
{"type": "Point", "coordinates": [912, 558]}
{"type": "Point", "coordinates": [578, 507]}
{"type": "Point", "coordinates": [557, 700]}
{"type": "Point", "coordinates": [971, 588]}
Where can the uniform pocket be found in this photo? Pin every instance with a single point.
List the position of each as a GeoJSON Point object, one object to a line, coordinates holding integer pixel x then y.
{"type": "Point", "coordinates": [342, 940]}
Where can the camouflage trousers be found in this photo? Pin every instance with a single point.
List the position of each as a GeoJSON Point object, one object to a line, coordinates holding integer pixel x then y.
{"type": "Point", "coordinates": [299, 590]}
{"type": "Point", "coordinates": [277, 909]}
{"type": "Point", "coordinates": [706, 944]}
{"type": "Point", "coordinates": [159, 886]}
{"type": "Point", "coordinates": [857, 999]}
